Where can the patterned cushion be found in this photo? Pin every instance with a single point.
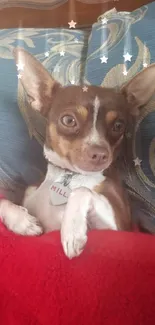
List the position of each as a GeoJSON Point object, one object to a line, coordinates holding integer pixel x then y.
{"type": "Point", "coordinates": [21, 159]}
{"type": "Point", "coordinates": [116, 38]}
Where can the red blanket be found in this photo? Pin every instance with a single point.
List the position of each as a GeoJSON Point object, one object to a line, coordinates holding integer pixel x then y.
{"type": "Point", "coordinates": [111, 283]}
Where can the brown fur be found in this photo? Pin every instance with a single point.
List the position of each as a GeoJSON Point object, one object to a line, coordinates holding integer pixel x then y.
{"type": "Point", "coordinates": [112, 189]}
{"type": "Point", "coordinates": [70, 145]}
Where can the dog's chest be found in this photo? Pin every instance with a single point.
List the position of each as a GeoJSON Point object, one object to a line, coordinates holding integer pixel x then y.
{"type": "Point", "coordinates": [49, 200]}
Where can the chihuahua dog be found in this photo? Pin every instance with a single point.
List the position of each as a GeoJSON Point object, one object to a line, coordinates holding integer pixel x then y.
{"type": "Point", "coordinates": [84, 135]}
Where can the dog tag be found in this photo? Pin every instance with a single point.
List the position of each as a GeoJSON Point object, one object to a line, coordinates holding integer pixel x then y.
{"type": "Point", "coordinates": [59, 193]}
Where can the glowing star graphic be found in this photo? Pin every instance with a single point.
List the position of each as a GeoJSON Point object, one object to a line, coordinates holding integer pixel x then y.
{"type": "Point", "coordinates": [104, 59]}
{"type": "Point", "coordinates": [47, 54]}
{"type": "Point", "coordinates": [76, 40]}
{"type": "Point", "coordinates": [62, 53]}
{"type": "Point", "coordinates": [137, 161]}
{"type": "Point", "coordinates": [72, 24]}
{"type": "Point", "coordinates": [85, 89]}
{"type": "Point", "coordinates": [104, 21]}
{"type": "Point", "coordinates": [145, 65]}
{"type": "Point", "coordinates": [73, 82]}
{"type": "Point", "coordinates": [125, 72]}
{"type": "Point", "coordinates": [20, 66]}
{"type": "Point", "coordinates": [127, 57]}
{"type": "Point", "coordinates": [19, 76]}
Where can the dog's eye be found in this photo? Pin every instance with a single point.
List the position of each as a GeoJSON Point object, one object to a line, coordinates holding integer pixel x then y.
{"type": "Point", "coordinates": [118, 126]}
{"type": "Point", "coordinates": [68, 120]}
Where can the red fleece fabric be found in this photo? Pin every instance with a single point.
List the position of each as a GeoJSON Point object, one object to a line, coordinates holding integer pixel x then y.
{"type": "Point", "coordinates": [111, 283]}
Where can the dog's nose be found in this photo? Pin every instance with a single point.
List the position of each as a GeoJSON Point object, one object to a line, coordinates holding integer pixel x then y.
{"type": "Point", "coordinates": [97, 155]}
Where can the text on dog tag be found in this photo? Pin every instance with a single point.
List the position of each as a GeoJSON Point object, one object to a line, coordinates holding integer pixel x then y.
{"type": "Point", "coordinates": [59, 193]}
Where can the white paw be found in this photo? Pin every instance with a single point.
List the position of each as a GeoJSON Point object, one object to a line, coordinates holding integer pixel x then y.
{"type": "Point", "coordinates": [74, 237]}
{"type": "Point", "coordinates": [73, 244]}
{"type": "Point", "coordinates": [74, 223]}
{"type": "Point", "coordinates": [18, 220]}
{"type": "Point", "coordinates": [26, 224]}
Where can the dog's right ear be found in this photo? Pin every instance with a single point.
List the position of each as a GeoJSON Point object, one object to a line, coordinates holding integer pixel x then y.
{"type": "Point", "coordinates": [140, 89]}
{"type": "Point", "coordinates": [37, 82]}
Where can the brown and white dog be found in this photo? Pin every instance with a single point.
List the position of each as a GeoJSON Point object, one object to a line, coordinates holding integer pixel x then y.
{"type": "Point", "coordinates": [84, 135]}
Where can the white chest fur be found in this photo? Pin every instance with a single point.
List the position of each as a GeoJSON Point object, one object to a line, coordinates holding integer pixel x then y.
{"type": "Point", "coordinates": [39, 202]}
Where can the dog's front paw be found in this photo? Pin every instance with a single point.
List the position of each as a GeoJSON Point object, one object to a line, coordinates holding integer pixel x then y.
{"type": "Point", "coordinates": [73, 241]}
{"type": "Point", "coordinates": [18, 220]}
{"type": "Point", "coordinates": [26, 225]}
{"type": "Point", "coordinates": [74, 225]}
{"type": "Point", "coordinates": [73, 233]}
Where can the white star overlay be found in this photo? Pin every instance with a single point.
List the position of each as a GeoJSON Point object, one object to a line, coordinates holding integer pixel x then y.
{"type": "Point", "coordinates": [127, 57]}
{"type": "Point", "coordinates": [72, 82]}
{"type": "Point", "coordinates": [62, 53]}
{"type": "Point", "coordinates": [104, 59]}
{"type": "Point", "coordinates": [145, 65]}
{"type": "Point", "coordinates": [137, 161]}
{"type": "Point", "coordinates": [20, 66]}
{"type": "Point", "coordinates": [125, 72]}
{"type": "Point", "coordinates": [76, 40]}
{"type": "Point", "coordinates": [85, 89]}
{"type": "Point", "coordinates": [72, 24]}
{"type": "Point", "coordinates": [19, 76]}
{"type": "Point", "coordinates": [104, 21]}
{"type": "Point", "coordinates": [47, 54]}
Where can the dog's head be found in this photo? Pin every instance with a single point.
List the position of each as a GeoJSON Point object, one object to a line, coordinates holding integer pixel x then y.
{"type": "Point", "coordinates": [85, 126]}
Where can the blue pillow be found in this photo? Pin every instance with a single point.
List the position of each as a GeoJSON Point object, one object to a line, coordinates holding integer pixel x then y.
{"type": "Point", "coordinates": [122, 44]}
{"type": "Point", "coordinates": [21, 158]}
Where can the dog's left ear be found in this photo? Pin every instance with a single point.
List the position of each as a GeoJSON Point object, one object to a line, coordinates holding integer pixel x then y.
{"type": "Point", "coordinates": [39, 85]}
{"type": "Point", "coordinates": [140, 89]}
